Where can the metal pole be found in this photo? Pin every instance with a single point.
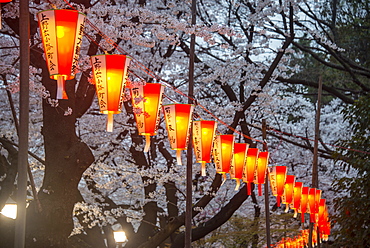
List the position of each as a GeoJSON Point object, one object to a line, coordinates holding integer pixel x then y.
{"type": "Point", "coordinates": [189, 162]}
{"type": "Point", "coordinates": [315, 174]}
{"type": "Point", "coordinates": [24, 34]}
{"type": "Point", "coordinates": [266, 187]}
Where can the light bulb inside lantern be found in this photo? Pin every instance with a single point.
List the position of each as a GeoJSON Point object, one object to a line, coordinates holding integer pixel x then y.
{"type": "Point", "coordinates": [61, 31]}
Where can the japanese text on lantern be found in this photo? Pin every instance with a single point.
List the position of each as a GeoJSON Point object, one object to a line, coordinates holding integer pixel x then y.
{"type": "Point", "coordinates": [197, 140]}
{"type": "Point", "coordinates": [100, 87]}
{"type": "Point", "coordinates": [216, 154]}
{"type": "Point", "coordinates": [273, 180]}
{"type": "Point", "coordinates": [77, 47]}
{"type": "Point", "coordinates": [139, 118]}
{"type": "Point", "coordinates": [47, 36]}
{"type": "Point", "coordinates": [170, 123]}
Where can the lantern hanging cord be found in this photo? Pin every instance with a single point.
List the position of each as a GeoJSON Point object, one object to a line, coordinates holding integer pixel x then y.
{"type": "Point", "coordinates": [304, 138]}
{"type": "Point", "coordinates": [152, 74]}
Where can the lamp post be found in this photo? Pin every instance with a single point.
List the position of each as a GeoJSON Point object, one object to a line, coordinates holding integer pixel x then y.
{"type": "Point", "coordinates": [24, 33]}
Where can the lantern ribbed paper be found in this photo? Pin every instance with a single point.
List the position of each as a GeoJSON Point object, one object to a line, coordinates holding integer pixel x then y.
{"type": "Point", "coordinates": [61, 32]}
{"type": "Point", "coordinates": [203, 136]}
{"type": "Point", "coordinates": [223, 148]}
{"type": "Point", "coordinates": [277, 181]}
{"type": "Point", "coordinates": [110, 73]}
{"type": "Point", "coordinates": [238, 162]}
{"type": "Point", "coordinates": [178, 119]}
{"type": "Point", "coordinates": [147, 101]}
{"type": "Point", "coordinates": [304, 202]}
{"type": "Point", "coordinates": [250, 167]}
{"type": "Point", "coordinates": [260, 175]}
{"type": "Point", "coordinates": [287, 197]}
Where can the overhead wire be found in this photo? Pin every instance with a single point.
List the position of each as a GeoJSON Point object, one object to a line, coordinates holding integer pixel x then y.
{"type": "Point", "coordinates": [167, 84]}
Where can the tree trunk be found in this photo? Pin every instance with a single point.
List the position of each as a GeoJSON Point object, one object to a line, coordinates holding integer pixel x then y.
{"type": "Point", "coordinates": [66, 158]}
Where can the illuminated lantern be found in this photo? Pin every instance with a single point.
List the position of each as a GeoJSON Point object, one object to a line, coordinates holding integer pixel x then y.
{"type": "Point", "coordinates": [238, 163]}
{"type": "Point", "coordinates": [110, 73]}
{"type": "Point", "coordinates": [3, 1]}
{"type": "Point", "coordinates": [260, 174]}
{"type": "Point", "coordinates": [61, 32]}
{"type": "Point", "coordinates": [223, 147]}
{"type": "Point", "coordinates": [313, 203]}
{"type": "Point", "coordinates": [287, 197]}
{"type": "Point", "coordinates": [146, 102]}
{"type": "Point", "coordinates": [178, 119]}
{"type": "Point", "coordinates": [322, 209]}
{"type": "Point", "coordinates": [304, 202]}
{"type": "Point", "coordinates": [297, 194]}
{"type": "Point", "coordinates": [277, 181]}
{"type": "Point", "coordinates": [203, 135]}
{"type": "Point", "coordinates": [250, 167]}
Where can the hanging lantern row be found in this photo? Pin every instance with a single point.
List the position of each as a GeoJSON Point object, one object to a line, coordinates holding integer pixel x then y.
{"type": "Point", "coordinates": [302, 240]}
{"type": "Point", "coordinates": [61, 32]}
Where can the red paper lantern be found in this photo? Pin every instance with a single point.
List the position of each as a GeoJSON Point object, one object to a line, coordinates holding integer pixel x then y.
{"type": "Point", "coordinates": [297, 194]}
{"type": "Point", "coordinates": [178, 119]}
{"type": "Point", "coordinates": [287, 197]}
{"type": "Point", "coordinates": [3, 1]}
{"type": "Point", "coordinates": [146, 101]}
{"type": "Point", "coordinates": [61, 32]}
{"type": "Point", "coordinates": [203, 136]}
{"type": "Point", "coordinates": [277, 181]}
{"type": "Point", "coordinates": [110, 73]}
{"type": "Point", "coordinates": [238, 163]}
{"type": "Point", "coordinates": [311, 203]}
{"type": "Point", "coordinates": [304, 202]}
{"type": "Point", "coordinates": [260, 175]}
{"type": "Point", "coordinates": [322, 209]}
{"type": "Point", "coordinates": [223, 148]}
{"type": "Point", "coordinates": [250, 167]}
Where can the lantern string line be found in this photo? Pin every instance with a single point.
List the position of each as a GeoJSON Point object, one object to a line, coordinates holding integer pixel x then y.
{"type": "Point", "coordinates": [309, 139]}
{"type": "Point", "coordinates": [301, 137]}
{"type": "Point", "coordinates": [167, 84]}
{"type": "Point", "coordinates": [152, 74]}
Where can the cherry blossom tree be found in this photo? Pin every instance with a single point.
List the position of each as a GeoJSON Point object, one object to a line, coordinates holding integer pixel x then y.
{"type": "Point", "coordinates": [90, 182]}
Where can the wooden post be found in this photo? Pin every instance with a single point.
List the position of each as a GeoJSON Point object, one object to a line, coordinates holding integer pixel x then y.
{"type": "Point", "coordinates": [315, 171]}
{"type": "Point", "coordinates": [189, 162]}
{"type": "Point", "coordinates": [266, 187]}
{"type": "Point", "coordinates": [24, 34]}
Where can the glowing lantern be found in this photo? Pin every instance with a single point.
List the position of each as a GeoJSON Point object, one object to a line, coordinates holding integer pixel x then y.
{"type": "Point", "coordinates": [250, 167]}
{"type": "Point", "coordinates": [260, 175]}
{"type": "Point", "coordinates": [146, 101]}
{"type": "Point", "coordinates": [3, 1]}
{"type": "Point", "coordinates": [297, 194]}
{"type": "Point", "coordinates": [110, 73]}
{"type": "Point", "coordinates": [287, 197]}
{"type": "Point", "coordinates": [238, 163]}
{"type": "Point", "coordinates": [203, 135]}
{"type": "Point", "coordinates": [277, 181]}
{"type": "Point", "coordinates": [178, 119]}
{"type": "Point", "coordinates": [61, 32]}
{"type": "Point", "coordinates": [314, 202]}
{"type": "Point", "coordinates": [322, 209]}
{"type": "Point", "coordinates": [223, 147]}
{"type": "Point", "coordinates": [304, 202]}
